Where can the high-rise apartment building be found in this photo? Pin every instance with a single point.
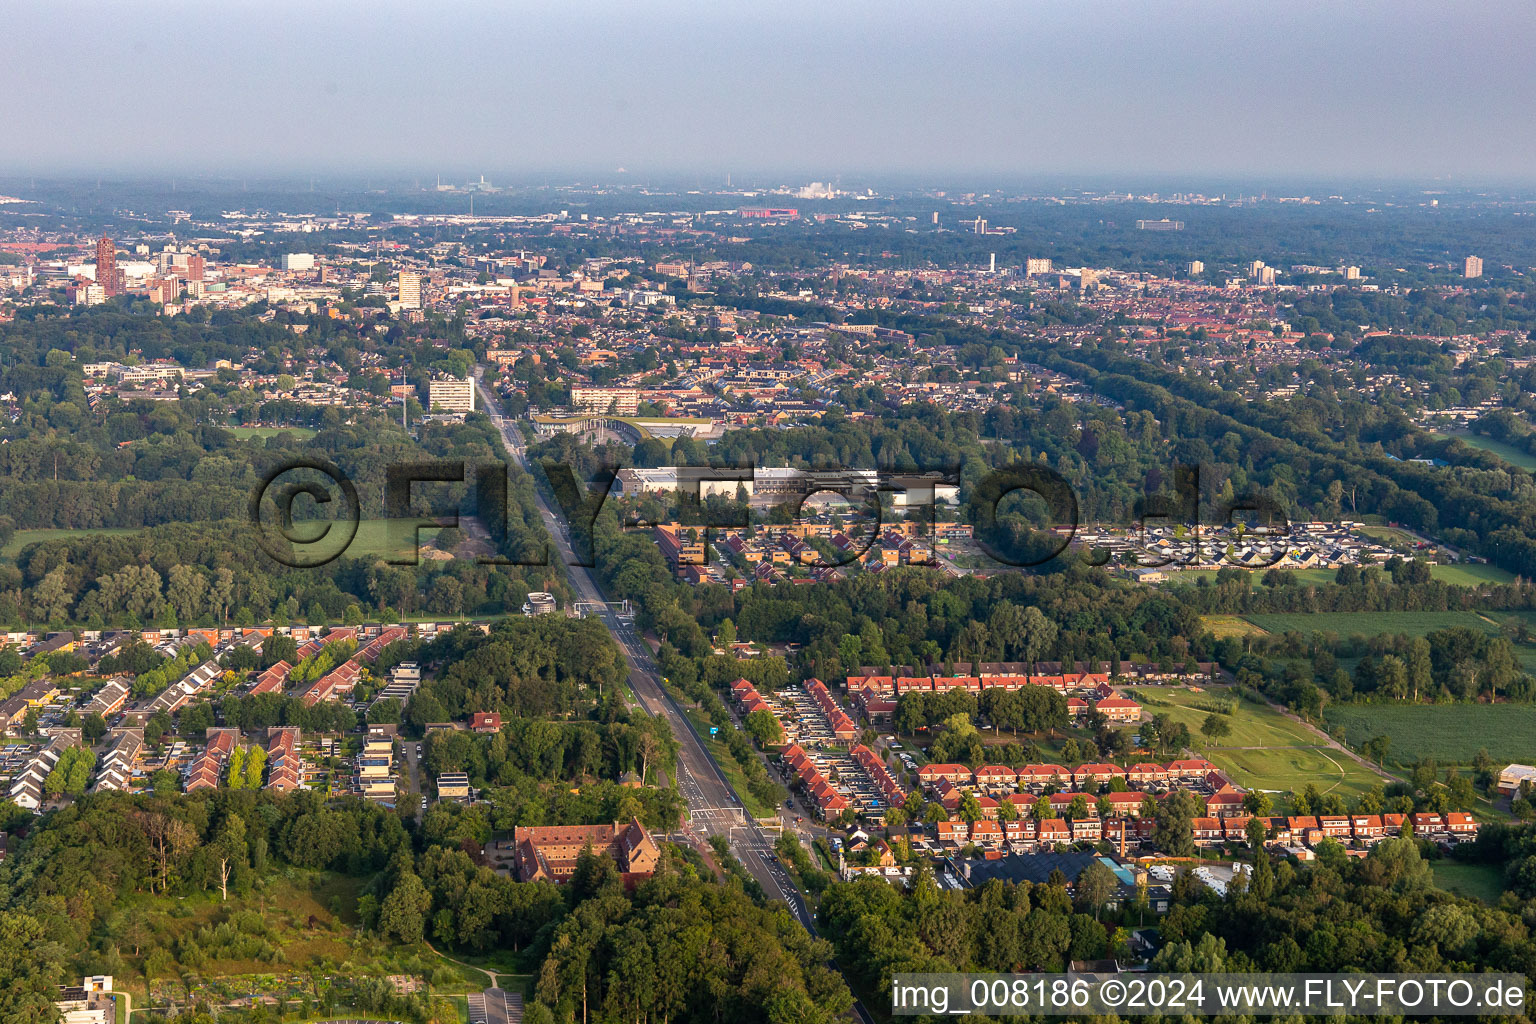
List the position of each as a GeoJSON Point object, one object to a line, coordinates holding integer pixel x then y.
{"type": "Point", "coordinates": [1036, 266]}
{"type": "Point", "coordinates": [1195, 268]}
{"type": "Point", "coordinates": [1351, 273]}
{"type": "Point", "coordinates": [623, 401]}
{"type": "Point", "coordinates": [410, 290]}
{"type": "Point", "coordinates": [296, 261]}
{"type": "Point", "coordinates": [106, 266]}
{"type": "Point", "coordinates": [1474, 267]}
{"type": "Point", "coordinates": [451, 394]}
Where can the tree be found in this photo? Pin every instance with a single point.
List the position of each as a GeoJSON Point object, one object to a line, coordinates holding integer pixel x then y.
{"type": "Point", "coordinates": [229, 847]}
{"type": "Point", "coordinates": [1173, 832]}
{"type": "Point", "coordinates": [1094, 886]}
{"type": "Point", "coordinates": [403, 913]}
{"type": "Point", "coordinates": [764, 727]}
{"type": "Point", "coordinates": [1215, 726]}
{"type": "Point", "coordinates": [1258, 803]}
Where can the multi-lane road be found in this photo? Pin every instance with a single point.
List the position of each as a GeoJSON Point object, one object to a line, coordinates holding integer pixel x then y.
{"type": "Point", "coordinates": [714, 808]}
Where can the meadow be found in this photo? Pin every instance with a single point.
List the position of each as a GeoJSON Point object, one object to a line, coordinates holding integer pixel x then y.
{"type": "Point", "coordinates": [1449, 733]}
{"type": "Point", "coordinates": [1470, 574]}
{"type": "Point", "coordinates": [302, 919]}
{"type": "Point", "coordinates": [1265, 750]}
{"type": "Point", "coordinates": [1483, 882]}
{"type": "Point", "coordinates": [1508, 452]}
{"type": "Point", "coordinates": [1346, 624]}
{"type": "Point", "coordinates": [21, 538]}
{"type": "Point", "coordinates": [1223, 626]}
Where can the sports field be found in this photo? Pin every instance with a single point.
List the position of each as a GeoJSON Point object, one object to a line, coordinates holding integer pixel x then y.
{"type": "Point", "coordinates": [1265, 750]}
{"type": "Point", "coordinates": [302, 433]}
{"type": "Point", "coordinates": [1346, 624]}
{"type": "Point", "coordinates": [1449, 733]}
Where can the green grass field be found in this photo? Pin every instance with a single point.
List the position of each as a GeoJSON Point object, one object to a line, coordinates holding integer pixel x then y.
{"type": "Point", "coordinates": [1291, 768]}
{"type": "Point", "coordinates": [1302, 576]}
{"type": "Point", "coordinates": [1508, 452]}
{"type": "Point", "coordinates": [21, 538]}
{"type": "Point", "coordinates": [1470, 574]}
{"type": "Point", "coordinates": [1483, 882]}
{"type": "Point", "coordinates": [302, 433]}
{"type": "Point", "coordinates": [1449, 733]}
{"type": "Point", "coordinates": [1265, 750]}
{"type": "Point", "coordinates": [1346, 624]}
{"type": "Point", "coordinates": [1253, 724]}
{"type": "Point", "coordinates": [1222, 626]}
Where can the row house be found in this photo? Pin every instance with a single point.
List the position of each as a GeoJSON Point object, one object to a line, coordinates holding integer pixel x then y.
{"type": "Point", "coordinates": [890, 790]}
{"type": "Point", "coordinates": [1029, 833]}
{"type": "Point", "coordinates": [1118, 709]}
{"type": "Point", "coordinates": [1094, 685]}
{"type": "Point", "coordinates": [27, 784]}
{"type": "Point", "coordinates": [996, 776]}
{"type": "Point", "coordinates": [1044, 775]}
{"type": "Point", "coordinates": [179, 694]}
{"type": "Point", "coordinates": [829, 802]}
{"type": "Point", "coordinates": [837, 719]}
{"type": "Point", "coordinates": [1367, 828]}
{"type": "Point", "coordinates": [874, 707]}
{"type": "Point", "coordinates": [1055, 830]}
{"type": "Point", "coordinates": [318, 644]}
{"type": "Point", "coordinates": [207, 769]}
{"type": "Point", "coordinates": [109, 700]}
{"type": "Point", "coordinates": [1189, 769]}
{"type": "Point", "coordinates": [934, 772]}
{"type": "Point", "coordinates": [1092, 775]}
{"type": "Point", "coordinates": [1225, 798]}
{"type": "Point", "coordinates": [1207, 831]}
{"type": "Point", "coordinates": [340, 680]}
{"type": "Point", "coordinates": [370, 653]}
{"type": "Point", "coordinates": [273, 679]}
{"type": "Point", "coordinates": [116, 769]}
{"type": "Point", "coordinates": [747, 697]}
{"type": "Point", "coordinates": [1086, 777]}
{"type": "Point", "coordinates": [285, 765]}
{"type": "Point", "coordinates": [1114, 709]}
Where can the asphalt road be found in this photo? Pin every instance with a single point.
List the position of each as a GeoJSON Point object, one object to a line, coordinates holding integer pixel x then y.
{"type": "Point", "coordinates": [714, 807]}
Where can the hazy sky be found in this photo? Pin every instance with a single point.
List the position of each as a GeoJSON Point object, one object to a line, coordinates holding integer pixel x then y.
{"type": "Point", "coordinates": [815, 89]}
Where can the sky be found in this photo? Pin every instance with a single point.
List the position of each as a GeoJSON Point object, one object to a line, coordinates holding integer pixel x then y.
{"type": "Point", "coordinates": [1399, 90]}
